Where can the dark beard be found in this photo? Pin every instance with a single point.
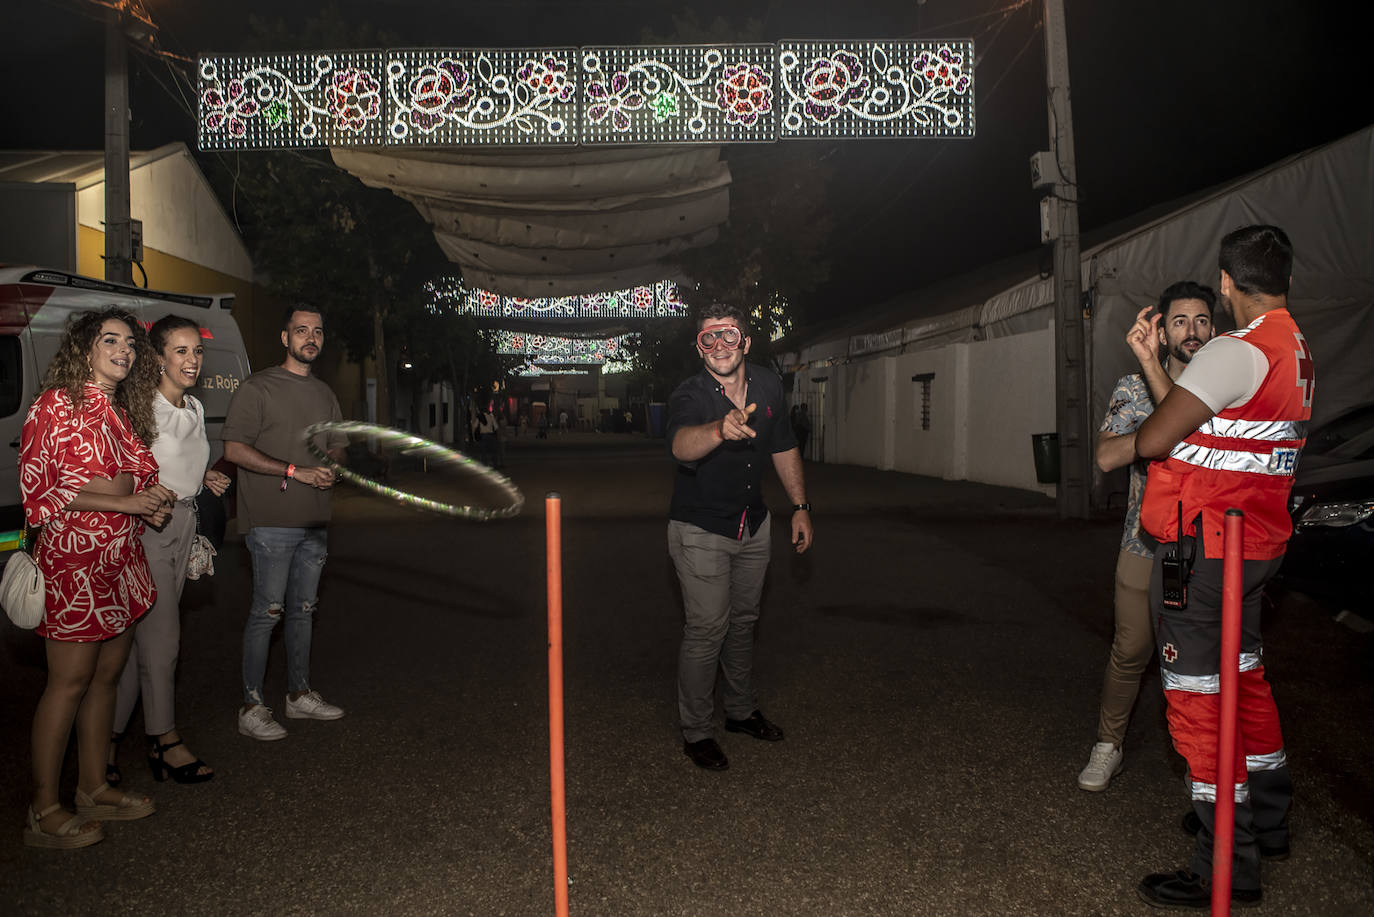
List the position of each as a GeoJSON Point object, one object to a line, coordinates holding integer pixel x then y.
{"type": "Point", "coordinates": [1179, 354]}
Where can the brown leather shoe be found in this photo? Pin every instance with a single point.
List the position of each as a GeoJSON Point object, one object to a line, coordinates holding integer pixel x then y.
{"type": "Point", "coordinates": [706, 754]}
{"type": "Point", "coordinates": [755, 726]}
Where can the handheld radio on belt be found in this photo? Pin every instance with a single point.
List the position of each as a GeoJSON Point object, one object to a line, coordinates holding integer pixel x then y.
{"type": "Point", "coordinates": [1176, 569]}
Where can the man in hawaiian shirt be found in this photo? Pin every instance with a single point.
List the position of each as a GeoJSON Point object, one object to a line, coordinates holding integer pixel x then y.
{"type": "Point", "coordinates": [1182, 324]}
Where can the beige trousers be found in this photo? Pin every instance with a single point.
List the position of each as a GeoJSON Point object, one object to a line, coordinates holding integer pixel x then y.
{"type": "Point", "coordinates": [1132, 646]}
{"type": "Point", "coordinates": [152, 664]}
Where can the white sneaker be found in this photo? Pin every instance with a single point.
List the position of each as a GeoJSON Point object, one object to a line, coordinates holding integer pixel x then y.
{"type": "Point", "coordinates": [310, 706]}
{"type": "Point", "coordinates": [256, 722]}
{"type": "Point", "coordinates": [1104, 764]}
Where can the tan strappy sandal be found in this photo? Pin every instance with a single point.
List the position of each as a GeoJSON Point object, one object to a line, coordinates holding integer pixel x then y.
{"type": "Point", "coordinates": [70, 835]}
{"type": "Point", "coordinates": [127, 809]}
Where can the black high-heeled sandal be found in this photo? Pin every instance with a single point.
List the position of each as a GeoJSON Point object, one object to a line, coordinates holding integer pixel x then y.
{"type": "Point", "coordinates": [186, 773]}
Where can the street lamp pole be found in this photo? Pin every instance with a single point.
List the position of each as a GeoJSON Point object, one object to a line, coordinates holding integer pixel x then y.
{"type": "Point", "coordinates": [118, 230]}
{"type": "Point", "coordinates": [1061, 225]}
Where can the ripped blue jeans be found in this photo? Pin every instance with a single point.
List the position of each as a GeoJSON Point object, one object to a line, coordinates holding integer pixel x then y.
{"type": "Point", "coordinates": [287, 563]}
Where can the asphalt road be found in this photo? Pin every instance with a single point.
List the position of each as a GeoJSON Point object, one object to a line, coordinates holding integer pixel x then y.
{"type": "Point", "coordinates": [935, 660]}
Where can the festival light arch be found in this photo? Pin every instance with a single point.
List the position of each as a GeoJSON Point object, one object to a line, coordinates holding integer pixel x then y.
{"type": "Point", "coordinates": [589, 96]}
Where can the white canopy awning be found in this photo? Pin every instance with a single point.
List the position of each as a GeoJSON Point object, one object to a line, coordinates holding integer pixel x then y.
{"type": "Point", "coordinates": [562, 223]}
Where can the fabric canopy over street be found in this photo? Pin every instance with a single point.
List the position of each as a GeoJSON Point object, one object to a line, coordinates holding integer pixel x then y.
{"type": "Point", "coordinates": [564, 223]}
{"type": "Point", "coordinates": [606, 161]}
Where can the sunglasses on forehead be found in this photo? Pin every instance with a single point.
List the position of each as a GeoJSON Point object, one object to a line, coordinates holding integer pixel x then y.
{"type": "Point", "coordinates": [706, 340]}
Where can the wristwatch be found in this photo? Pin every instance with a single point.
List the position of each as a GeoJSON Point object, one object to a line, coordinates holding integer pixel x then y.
{"type": "Point", "coordinates": [801, 506]}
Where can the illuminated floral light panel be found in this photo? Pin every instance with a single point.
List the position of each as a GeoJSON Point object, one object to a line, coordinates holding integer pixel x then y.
{"type": "Point", "coordinates": [530, 371]}
{"type": "Point", "coordinates": [588, 96]}
{"type": "Point", "coordinates": [661, 300]}
{"type": "Point", "coordinates": [292, 100]}
{"type": "Point", "coordinates": [474, 96]}
{"type": "Point", "coordinates": [552, 348]}
{"type": "Point", "coordinates": [875, 89]}
{"type": "Point", "coordinates": [678, 94]}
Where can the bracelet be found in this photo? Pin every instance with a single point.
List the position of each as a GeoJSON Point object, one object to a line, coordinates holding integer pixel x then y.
{"type": "Point", "coordinates": [797, 507]}
{"type": "Point", "coordinates": [290, 471]}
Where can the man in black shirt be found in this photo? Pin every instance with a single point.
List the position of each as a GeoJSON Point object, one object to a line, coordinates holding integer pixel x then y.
{"type": "Point", "coordinates": [723, 425]}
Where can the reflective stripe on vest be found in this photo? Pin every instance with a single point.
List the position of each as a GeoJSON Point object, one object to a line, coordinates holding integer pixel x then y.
{"type": "Point", "coordinates": [1282, 461]}
{"type": "Point", "coordinates": [1267, 430]}
{"type": "Point", "coordinates": [1248, 446]}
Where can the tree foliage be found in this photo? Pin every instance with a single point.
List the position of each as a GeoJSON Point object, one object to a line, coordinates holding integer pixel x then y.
{"type": "Point", "coordinates": [773, 249]}
{"type": "Point", "coordinates": [322, 236]}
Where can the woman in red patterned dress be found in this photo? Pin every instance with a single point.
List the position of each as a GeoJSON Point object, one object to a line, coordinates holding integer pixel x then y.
{"type": "Point", "coordinates": [87, 477]}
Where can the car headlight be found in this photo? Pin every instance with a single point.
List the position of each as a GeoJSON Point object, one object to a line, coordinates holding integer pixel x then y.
{"type": "Point", "coordinates": [1336, 515]}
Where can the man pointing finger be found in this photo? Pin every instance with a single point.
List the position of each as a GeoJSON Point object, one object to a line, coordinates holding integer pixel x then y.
{"type": "Point", "coordinates": [724, 425]}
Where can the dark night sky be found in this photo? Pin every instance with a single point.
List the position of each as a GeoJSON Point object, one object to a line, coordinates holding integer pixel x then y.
{"type": "Point", "coordinates": [1169, 97]}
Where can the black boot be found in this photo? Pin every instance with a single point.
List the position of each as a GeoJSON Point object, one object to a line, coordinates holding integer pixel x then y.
{"type": "Point", "coordinates": [1187, 889]}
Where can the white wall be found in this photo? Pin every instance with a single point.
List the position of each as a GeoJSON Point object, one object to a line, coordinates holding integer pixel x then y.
{"type": "Point", "coordinates": [181, 216]}
{"type": "Point", "coordinates": [934, 451]}
{"type": "Point", "coordinates": [987, 399]}
{"type": "Point", "coordinates": [863, 403]}
{"type": "Point", "coordinates": [1011, 396]}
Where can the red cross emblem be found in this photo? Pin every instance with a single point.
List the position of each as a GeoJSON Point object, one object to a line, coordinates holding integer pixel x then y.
{"type": "Point", "coordinates": [1170, 654]}
{"type": "Point", "coordinates": [1307, 375]}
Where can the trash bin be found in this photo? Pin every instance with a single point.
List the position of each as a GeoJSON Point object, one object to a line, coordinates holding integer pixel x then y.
{"type": "Point", "coordinates": [658, 417]}
{"type": "Point", "coordinates": [1046, 449]}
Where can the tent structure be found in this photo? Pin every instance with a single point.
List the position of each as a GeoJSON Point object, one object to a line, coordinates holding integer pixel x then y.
{"type": "Point", "coordinates": [955, 380]}
{"type": "Point", "coordinates": [560, 223]}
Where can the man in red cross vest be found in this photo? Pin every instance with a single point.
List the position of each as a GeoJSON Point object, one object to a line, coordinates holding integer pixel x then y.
{"type": "Point", "coordinates": [1227, 434]}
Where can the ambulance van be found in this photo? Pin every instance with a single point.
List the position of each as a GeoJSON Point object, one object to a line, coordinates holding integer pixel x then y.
{"type": "Point", "coordinates": [34, 307]}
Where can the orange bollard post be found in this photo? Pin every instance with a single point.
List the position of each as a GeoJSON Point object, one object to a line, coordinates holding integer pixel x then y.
{"type": "Point", "coordinates": [553, 543]}
{"type": "Point", "coordinates": [1232, 591]}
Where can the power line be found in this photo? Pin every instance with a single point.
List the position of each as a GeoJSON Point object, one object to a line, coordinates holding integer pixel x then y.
{"type": "Point", "coordinates": [890, 199]}
{"type": "Point", "coordinates": [1004, 10]}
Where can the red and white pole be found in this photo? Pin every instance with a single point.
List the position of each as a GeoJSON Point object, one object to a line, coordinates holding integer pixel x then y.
{"type": "Point", "coordinates": [553, 538]}
{"type": "Point", "coordinates": [1232, 592]}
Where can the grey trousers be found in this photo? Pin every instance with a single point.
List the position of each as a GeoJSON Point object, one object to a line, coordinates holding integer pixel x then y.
{"type": "Point", "coordinates": [722, 583]}
{"type": "Point", "coordinates": [152, 661]}
{"type": "Point", "coordinates": [1133, 646]}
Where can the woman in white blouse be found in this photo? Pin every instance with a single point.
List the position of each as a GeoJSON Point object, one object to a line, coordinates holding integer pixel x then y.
{"type": "Point", "coordinates": [183, 454]}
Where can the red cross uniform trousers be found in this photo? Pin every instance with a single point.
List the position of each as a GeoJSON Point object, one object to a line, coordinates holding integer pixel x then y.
{"type": "Point", "coordinates": [1244, 457]}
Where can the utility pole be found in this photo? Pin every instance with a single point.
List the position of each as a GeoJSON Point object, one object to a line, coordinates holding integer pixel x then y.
{"type": "Point", "coordinates": [118, 231]}
{"type": "Point", "coordinates": [1059, 222]}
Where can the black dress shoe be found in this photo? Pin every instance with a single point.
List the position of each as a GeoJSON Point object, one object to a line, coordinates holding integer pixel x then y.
{"type": "Point", "coordinates": [1270, 852]}
{"type": "Point", "coordinates": [706, 753]}
{"type": "Point", "coordinates": [1186, 889]}
{"type": "Point", "coordinates": [755, 726]}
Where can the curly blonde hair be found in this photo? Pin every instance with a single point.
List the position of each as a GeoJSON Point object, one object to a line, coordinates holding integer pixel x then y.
{"type": "Point", "coordinates": [70, 369]}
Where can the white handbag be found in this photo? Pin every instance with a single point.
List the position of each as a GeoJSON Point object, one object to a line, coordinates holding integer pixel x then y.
{"type": "Point", "coordinates": [201, 561]}
{"type": "Point", "coordinates": [22, 591]}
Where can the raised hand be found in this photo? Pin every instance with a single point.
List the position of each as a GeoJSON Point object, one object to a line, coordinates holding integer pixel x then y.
{"type": "Point", "coordinates": [735, 425]}
{"type": "Point", "coordinates": [1143, 337]}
